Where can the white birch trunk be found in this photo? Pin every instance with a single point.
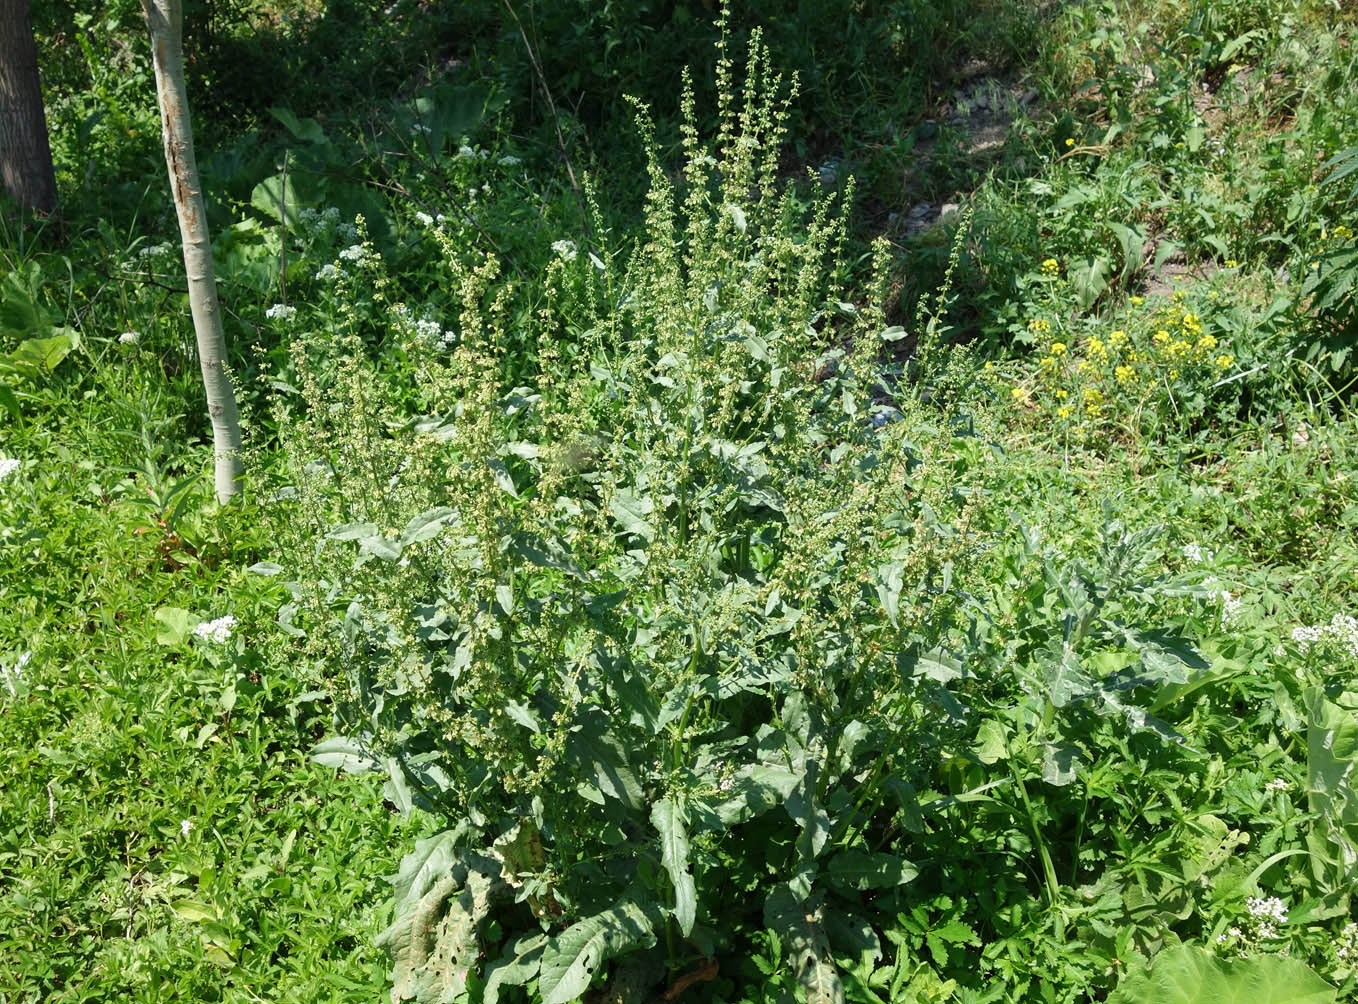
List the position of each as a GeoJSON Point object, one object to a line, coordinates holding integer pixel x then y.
{"type": "Point", "coordinates": [165, 20]}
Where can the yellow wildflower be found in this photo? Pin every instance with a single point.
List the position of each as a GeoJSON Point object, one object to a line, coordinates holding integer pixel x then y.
{"type": "Point", "coordinates": [1117, 338]}
{"type": "Point", "coordinates": [1124, 374]}
{"type": "Point", "coordinates": [1051, 266]}
{"type": "Point", "coordinates": [1063, 411]}
{"type": "Point", "coordinates": [1206, 343]}
{"type": "Point", "coordinates": [1135, 301]}
{"type": "Point", "coordinates": [1224, 362]}
{"type": "Point", "coordinates": [1232, 263]}
{"type": "Point", "coordinates": [1069, 141]}
{"type": "Point", "coordinates": [1161, 337]}
{"type": "Point", "coordinates": [1058, 348]}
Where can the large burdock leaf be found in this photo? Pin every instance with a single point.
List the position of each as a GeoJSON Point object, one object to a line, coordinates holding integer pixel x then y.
{"type": "Point", "coordinates": [573, 957]}
{"type": "Point", "coordinates": [1187, 974]}
{"type": "Point", "coordinates": [799, 926]}
{"type": "Point", "coordinates": [668, 818]}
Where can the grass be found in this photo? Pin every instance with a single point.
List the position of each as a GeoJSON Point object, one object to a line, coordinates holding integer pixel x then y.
{"type": "Point", "coordinates": [164, 833]}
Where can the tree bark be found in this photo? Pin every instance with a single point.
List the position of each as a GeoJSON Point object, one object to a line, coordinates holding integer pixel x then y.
{"type": "Point", "coordinates": [165, 20]}
{"type": "Point", "coordinates": [25, 155]}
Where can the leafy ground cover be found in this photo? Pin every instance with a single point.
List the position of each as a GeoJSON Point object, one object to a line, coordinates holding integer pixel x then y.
{"type": "Point", "coordinates": [741, 588]}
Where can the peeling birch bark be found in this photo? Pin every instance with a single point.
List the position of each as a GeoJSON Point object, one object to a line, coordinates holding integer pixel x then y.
{"type": "Point", "coordinates": [165, 20]}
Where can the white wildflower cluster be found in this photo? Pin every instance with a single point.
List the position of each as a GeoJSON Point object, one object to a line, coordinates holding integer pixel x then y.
{"type": "Point", "coordinates": [1277, 784]}
{"type": "Point", "coordinates": [1346, 948]}
{"type": "Point", "coordinates": [424, 219]}
{"type": "Point", "coordinates": [14, 675]}
{"type": "Point", "coordinates": [322, 223]}
{"type": "Point", "coordinates": [509, 160]}
{"type": "Point", "coordinates": [217, 631]}
{"type": "Point", "coordinates": [129, 337]}
{"type": "Point", "coordinates": [566, 250]}
{"type": "Point", "coordinates": [1342, 630]}
{"type": "Point", "coordinates": [185, 827]}
{"type": "Point", "coordinates": [465, 152]}
{"type": "Point", "coordinates": [1195, 553]}
{"type": "Point", "coordinates": [354, 252]}
{"type": "Point", "coordinates": [329, 273]}
{"type": "Point", "coordinates": [1230, 607]}
{"type": "Point", "coordinates": [1266, 914]}
{"type": "Point", "coordinates": [8, 465]}
{"type": "Point", "coordinates": [420, 129]}
{"type": "Point", "coordinates": [155, 251]}
{"type": "Point", "coordinates": [280, 312]}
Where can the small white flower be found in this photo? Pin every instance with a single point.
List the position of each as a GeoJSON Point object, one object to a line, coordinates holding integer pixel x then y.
{"type": "Point", "coordinates": [1230, 607]}
{"type": "Point", "coordinates": [129, 337]}
{"type": "Point", "coordinates": [347, 232]}
{"type": "Point", "coordinates": [331, 214]}
{"type": "Point", "coordinates": [218, 630]}
{"type": "Point", "coordinates": [352, 253]}
{"type": "Point", "coordinates": [424, 219]}
{"type": "Point", "coordinates": [509, 160]}
{"type": "Point", "coordinates": [280, 312]}
{"type": "Point", "coordinates": [328, 273]}
{"type": "Point", "coordinates": [7, 467]}
{"type": "Point", "coordinates": [185, 825]}
{"type": "Point", "coordinates": [565, 249]}
{"type": "Point", "coordinates": [1271, 910]}
{"type": "Point", "coordinates": [464, 152]}
{"type": "Point", "coordinates": [1195, 553]}
{"type": "Point", "coordinates": [1277, 784]}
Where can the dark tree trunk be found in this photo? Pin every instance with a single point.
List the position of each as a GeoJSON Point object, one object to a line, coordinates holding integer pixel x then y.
{"type": "Point", "coordinates": [25, 156]}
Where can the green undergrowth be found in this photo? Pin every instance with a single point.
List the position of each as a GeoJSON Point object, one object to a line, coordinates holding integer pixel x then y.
{"type": "Point", "coordinates": [707, 597]}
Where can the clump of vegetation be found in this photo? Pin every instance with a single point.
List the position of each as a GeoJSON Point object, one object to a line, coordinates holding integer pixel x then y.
{"type": "Point", "coordinates": [724, 604]}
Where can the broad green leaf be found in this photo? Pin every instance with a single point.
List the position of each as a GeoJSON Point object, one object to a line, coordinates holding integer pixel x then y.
{"type": "Point", "coordinates": [173, 625]}
{"type": "Point", "coordinates": [36, 356]}
{"type": "Point", "coordinates": [352, 531]}
{"type": "Point", "coordinates": [571, 958]}
{"type": "Point", "coordinates": [668, 819]}
{"type": "Point", "coordinates": [799, 927]}
{"type": "Point", "coordinates": [1332, 781]}
{"type": "Point", "coordinates": [1187, 974]}
{"type": "Point", "coordinates": [426, 525]}
{"type": "Point", "coordinates": [432, 858]}
{"type": "Point", "coordinates": [755, 790]}
{"type": "Point", "coordinates": [1088, 279]}
{"type": "Point", "coordinates": [345, 754]}
{"type": "Point", "coordinates": [868, 870]}
{"type": "Point", "coordinates": [308, 130]}
{"type": "Point", "coordinates": [272, 195]}
{"type": "Point", "coordinates": [9, 400]}
{"type": "Point", "coordinates": [631, 512]}
{"type": "Point", "coordinates": [518, 965]}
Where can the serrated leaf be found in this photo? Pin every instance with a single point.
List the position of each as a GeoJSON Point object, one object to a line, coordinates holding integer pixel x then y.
{"type": "Point", "coordinates": [1187, 974]}
{"type": "Point", "coordinates": [571, 959]}
{"type": "Point", "coordinates": [668, 819]}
